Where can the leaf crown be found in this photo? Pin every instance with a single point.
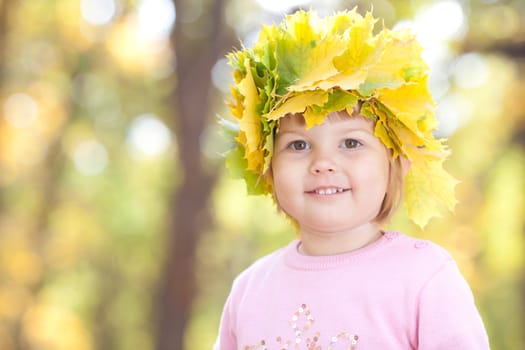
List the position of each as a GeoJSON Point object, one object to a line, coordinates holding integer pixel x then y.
{"type": "Point", "coordinates": [316, 66]}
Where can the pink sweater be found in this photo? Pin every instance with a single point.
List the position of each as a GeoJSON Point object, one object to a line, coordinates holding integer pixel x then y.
{"type": "Point", "coordinates": [397, 293]}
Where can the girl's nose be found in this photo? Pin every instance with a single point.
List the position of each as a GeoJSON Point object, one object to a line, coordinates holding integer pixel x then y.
{"type": "Point", "coordinates": [320, 170]}
{"type": "Point", "coordinates": [322, 163]}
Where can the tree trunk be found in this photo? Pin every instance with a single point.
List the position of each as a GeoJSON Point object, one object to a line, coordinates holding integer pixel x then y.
{"type": "Point", "coordinates": [190, 212]}
{"type": "Point", "coordinates": [5, 5]}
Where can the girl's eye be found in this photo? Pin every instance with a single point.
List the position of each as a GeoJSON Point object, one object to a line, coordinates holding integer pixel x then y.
{"type": "Point", "coordinates": [351, 143]}
{"type": "Point", "coordinates": [299, 145]}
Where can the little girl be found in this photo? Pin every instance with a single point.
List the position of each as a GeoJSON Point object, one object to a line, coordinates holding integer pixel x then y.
{"type": "Point", "coordinates": [335, 122]}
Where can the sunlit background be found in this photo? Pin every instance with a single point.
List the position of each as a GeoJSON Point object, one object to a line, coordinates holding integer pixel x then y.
{"type": "Point", "coordinates": [92, 137]}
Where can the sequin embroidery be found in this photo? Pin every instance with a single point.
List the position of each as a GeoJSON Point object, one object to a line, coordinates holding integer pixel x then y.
{"type": "Point", "coordinates": [300, 324]}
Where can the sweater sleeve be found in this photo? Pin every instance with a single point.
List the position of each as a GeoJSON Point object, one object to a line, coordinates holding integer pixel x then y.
{"type": "Point", "coordinates": [226, 339]}
{"type": "Point", "coordinates": [448, 317]}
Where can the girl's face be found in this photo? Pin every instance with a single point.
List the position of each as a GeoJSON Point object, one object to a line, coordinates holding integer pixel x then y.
{"type": "Point", "coordinates": [332, 177]}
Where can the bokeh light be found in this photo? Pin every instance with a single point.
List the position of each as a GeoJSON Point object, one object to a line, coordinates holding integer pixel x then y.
{"type": "Point", "coordinates": [90, 157]}
{"type": "Point", "coordinates": [148, 136]}
{"type": "Point", "coordinates": [281, 6]}
{"type": "Point", "coordinates": [453, 111]}
{"type": "Point", "coordinates": [470, 70]}
{"type": "Point", "coordinates": [441, 20]}
{"type": "Point", "coordinates": [221, 75]}
{"type": "Point", "coordinates": [155, 19]}
{"type": "Point", "coordinates": [20, 110]}
{"type": "Point", "coordinates": [98, 12]}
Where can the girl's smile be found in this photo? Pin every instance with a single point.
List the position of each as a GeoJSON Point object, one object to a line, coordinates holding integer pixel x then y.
{"type": "Point", "coordinates": [327, 191]}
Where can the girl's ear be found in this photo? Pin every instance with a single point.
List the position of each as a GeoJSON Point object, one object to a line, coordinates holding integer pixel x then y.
{"type": "Point", "coordinates": [405, 165]}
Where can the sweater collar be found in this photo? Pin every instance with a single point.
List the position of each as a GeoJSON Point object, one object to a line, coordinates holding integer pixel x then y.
{"type": "Point", "coordinates": [296, 260]}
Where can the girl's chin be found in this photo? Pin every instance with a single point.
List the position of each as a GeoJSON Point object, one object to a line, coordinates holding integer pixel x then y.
{"type": "Point", "coordinates": [334, 225]}
{"type": "Point", "coordinates": [328, 227]}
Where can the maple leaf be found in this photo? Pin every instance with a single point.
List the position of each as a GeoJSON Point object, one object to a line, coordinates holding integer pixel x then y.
{"type": "Point", "coordinates": [361, 46]}
{"type": "Point", "coordinates": [297, 103]}
{"type": "Point", "coordinates": [400, 62]}
{"type": "Point", "coordinates": [412, 104]}
{"type": "Point", "coordinates": [249, 124]}
{"type": "Point", "coordinates": [425, 196]}
{"type": "Point", "coordinates": [236, 106]}
{"type": "Point", "coordinates": [237, 165]}
{"type": "Point", "coordinates": [337, 100]}
{"type": "Point", "coordinates": [332, 41]}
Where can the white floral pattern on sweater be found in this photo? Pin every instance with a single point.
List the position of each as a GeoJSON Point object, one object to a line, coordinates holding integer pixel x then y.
{"type": "Point", "coordinates": [300, 324]}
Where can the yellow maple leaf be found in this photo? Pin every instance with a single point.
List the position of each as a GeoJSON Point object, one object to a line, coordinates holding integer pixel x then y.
{"type": "Point", "coordinates": [332, 41]}
{"type": "Point", "coordinates": [298, 103]}
{"type": "Point", "coordinates": [311, 118]}
{"type": "Point", "coordinates": [411, 103]}
{"type": "Point", "coordinates": [411, 144]}
{"type": "Point", "coordinates": [425, 200]}
{"type": "Point", "coordinates": [250, 123]}
{"type": "Point", "coordinates": [255, 160]}
{"type": "Point", "coordinates": [344, 81]}
{"type": "Point", "coordinates": [361, 49]}
{"type": "Point", "coordinates": [268, 152]}
{"type": "Point", "coordinates": [382, 133]}
{"type": "Point", "coordinates": [338, 100]}
{"type": "Point", "coordinates": [400, 60]}
{"type": "Point", "coordinates": [349, 67]}
{"type": "Point", "coordinates": [235, 105]}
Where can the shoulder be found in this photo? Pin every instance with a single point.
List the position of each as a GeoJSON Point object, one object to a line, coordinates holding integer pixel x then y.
{"type": "Point", "coordinates": [238, 306]}
{"type": "Point", "coordinates": [416, 247]}
{"type": "Point", "coordinates": [412, 249]}
{"type": "Point", "coordinates": [447, 314]}
{"type": "Point", "coordinates": [260, 271]}
{"type": "Point", "coordinates": [416, 259]}
{"type": "Point", "coordinates": [407, 242]}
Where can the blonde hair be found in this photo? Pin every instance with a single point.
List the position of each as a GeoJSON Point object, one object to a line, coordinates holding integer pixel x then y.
{"type": "Point", "coordinates": [394, 191]}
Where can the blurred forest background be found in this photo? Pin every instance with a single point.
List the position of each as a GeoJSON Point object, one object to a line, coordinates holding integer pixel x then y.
{"type": "Point", "coordinates": [119, 226]}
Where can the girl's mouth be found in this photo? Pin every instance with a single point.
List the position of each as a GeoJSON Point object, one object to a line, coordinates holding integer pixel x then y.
{"type": "Point", "coordinates": [328, 190]}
